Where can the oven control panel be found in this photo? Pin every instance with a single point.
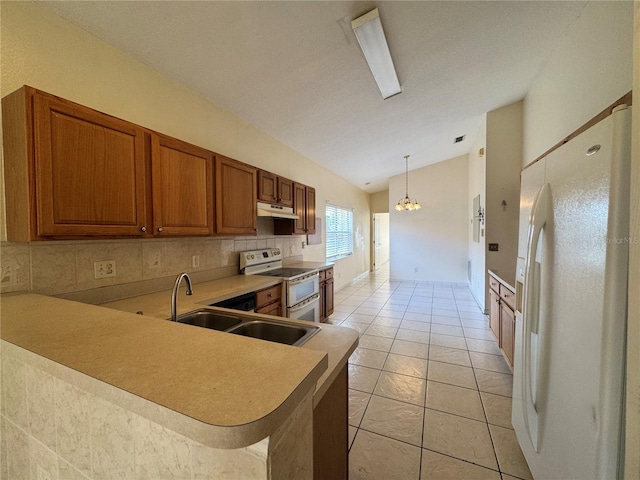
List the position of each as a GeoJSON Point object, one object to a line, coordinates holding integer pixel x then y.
{"type": "Point", "coordinates": [259, 257]}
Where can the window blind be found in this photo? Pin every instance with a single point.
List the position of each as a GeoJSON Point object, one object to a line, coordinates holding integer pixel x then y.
{"type": "Point", "coordinates": [339, 232]}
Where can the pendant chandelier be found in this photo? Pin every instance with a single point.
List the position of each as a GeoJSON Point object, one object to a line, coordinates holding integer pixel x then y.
{"type": "Point", "coordinates": [406, 203]}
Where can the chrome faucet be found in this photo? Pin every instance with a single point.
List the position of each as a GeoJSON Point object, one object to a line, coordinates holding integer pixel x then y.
{"type": "Point", "coordinates": [174, 294]}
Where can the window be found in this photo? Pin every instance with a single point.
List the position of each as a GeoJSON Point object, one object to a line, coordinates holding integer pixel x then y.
{"type": "Point", "coordinates": [339, 232]}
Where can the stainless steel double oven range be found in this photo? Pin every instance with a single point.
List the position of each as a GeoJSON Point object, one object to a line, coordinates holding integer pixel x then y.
{"type": "Point", "coordinates": [300, 286]}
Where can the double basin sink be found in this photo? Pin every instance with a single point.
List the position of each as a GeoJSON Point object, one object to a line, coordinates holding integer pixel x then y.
{"type": "Point", "coordinates": [271, 330]}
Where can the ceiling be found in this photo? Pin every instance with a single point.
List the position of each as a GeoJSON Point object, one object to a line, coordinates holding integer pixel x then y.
{"type": "Point", "coordinates": [295, 70]}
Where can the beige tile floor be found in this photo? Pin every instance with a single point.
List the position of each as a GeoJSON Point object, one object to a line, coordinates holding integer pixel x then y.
{"type": "Point", "coordinates": [429, 392]}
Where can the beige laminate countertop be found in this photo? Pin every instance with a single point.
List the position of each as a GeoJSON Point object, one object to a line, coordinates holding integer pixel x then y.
{"type": "Point", "coordinates": [158, 304]}
{"type": "Point", "coordinates": [223, 390]}
{"type": "Point", "coordinates": [506, 278]}
{"type": "Point", "coordinates": [337, 342]}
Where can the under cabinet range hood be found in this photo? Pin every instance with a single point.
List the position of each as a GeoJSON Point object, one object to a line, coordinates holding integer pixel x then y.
{"type": "Point", "coordinates": [268, 210]}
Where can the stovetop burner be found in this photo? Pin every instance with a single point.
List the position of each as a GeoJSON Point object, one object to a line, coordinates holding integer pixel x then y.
{"type": "Point", "coordinates": [285, 272]}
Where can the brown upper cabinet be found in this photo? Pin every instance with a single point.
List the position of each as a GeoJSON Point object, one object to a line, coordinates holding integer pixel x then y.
{"type": "Point", "coordinates": [236, 192]}
{"type": "Point", "coordinates": [70, 171]}
{"type": "Point", "coordinates": [73, 172]}
{"type": "Point", "coordinates": [182, 187]}
{"type": "Point", "coordinates": [304, 206]}
{"type": "Point", "coordinates": [274, 189]}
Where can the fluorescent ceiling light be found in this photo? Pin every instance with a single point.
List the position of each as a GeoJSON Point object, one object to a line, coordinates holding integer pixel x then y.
{"type": "Point", "coordinates": [370, 35]}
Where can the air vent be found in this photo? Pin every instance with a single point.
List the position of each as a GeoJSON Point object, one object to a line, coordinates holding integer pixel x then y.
{"type": "Point", "coordinates": [459, 139]}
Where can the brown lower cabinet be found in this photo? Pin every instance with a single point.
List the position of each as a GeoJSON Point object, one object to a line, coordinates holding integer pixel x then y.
{"type": "Point", "coordinates": [507, 332]}
{"type": "Point", "coordinates": [326, 293]}
{"type": "Point", "coordinates": [502, 317]}
{"type": "Point", "coordinates": [331, 432]}
{"type": "Point", "coordinates": [269, 300]}
{"type": "Point", "coordinates": [494, 314]}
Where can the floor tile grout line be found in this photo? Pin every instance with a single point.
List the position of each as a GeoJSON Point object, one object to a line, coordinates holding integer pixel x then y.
{"type": "Point", "coordinates": [387, 353]}
{"type": "Point", "coordinates": [461, 459]}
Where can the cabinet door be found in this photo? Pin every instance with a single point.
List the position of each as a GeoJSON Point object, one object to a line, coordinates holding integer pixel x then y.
{"type": "Point", "coordinates": [236, 197]}
{"type": "Point", "coordinates": [507, 332]}
{"type": "Point", "coordinates": [323, 305]}
{"type": "Point", "coordinates": [331, 431]}
{"type": "Point", "coordinates": [89, 171]}
{"type": "Point", "coordinates": [285, 192]}
{"type": "Point", "coordinates": [182, 187]}
{"type": "Point", "coordinates": [328, 297]}
{"type": "Point", "coordinates": [310, 210]}
{"type": "Point", "coordinates": [267, 187]}
{"type": "Point", "coordinates": [299, 208]}
{"type": "Point", "coordinates": [494, 314]}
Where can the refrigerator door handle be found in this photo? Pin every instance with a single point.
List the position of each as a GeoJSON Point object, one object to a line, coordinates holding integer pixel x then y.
{"type": "Point", "coordinates": [531, 313]}
{"type": "Point", "coordinates": [537, 221]}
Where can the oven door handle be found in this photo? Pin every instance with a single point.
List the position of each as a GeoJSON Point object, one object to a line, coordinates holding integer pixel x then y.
{"type": "Point", "coordinates": [305, 278]}
{"type": "Point", "coordinates": [304, 303]}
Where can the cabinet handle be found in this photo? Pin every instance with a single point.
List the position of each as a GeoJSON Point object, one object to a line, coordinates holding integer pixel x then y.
{"type": "Point", "coordinates": [159, 229]}
{"type": "Point", "coordinates": [143, 229]}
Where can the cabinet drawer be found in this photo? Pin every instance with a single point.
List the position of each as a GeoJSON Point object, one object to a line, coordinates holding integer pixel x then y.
{"type": "Point", "coordinates": [508, 296]}
{"type": "Point", "coordinates": [493, 283]}
{"type": "Point", "coordinates": [273, 309]}
{"type": "Point", "coordinates": [322, 275]}
{"type": "Point", "coordinates": [268, 295]}
{"type": "Point", "coordinates": [328, 273]}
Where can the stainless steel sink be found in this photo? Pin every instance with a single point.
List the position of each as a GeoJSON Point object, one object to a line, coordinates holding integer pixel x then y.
{"type": "Point", "coordinates": [270, 330]}
{"type": "Point", "coordinates": [288, 334]}
{"type": "Point", "coordinates": [209, 319]}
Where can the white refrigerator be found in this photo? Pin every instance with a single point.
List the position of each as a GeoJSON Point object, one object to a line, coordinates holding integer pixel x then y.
{"type": "Point", "coordinates": [571, 288]}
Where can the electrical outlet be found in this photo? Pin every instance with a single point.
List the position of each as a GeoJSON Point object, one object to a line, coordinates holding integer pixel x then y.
{"type": "Point", "coordinates": [195, 261]}
{"type": "Point", "coordinates": [104, 269]}
{"type": "Point", "coordinates": [43, 474]}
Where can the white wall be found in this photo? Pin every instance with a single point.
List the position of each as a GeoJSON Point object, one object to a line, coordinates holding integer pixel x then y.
{"type": "Point", "coordinates": [380, 202]}
{"type": "Point", "coordinates": [432, 240]}
{"type": "Point", "coordinates": [45, 51]}
{"type": "Point", "coordinates": [590, 69]}
{"type": "Point", "coordinates": [477, 183]}
{"type": "Point", "coordinates": [504, 159]}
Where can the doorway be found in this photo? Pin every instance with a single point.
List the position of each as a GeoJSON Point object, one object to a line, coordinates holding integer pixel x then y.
{"type": "Point", "coordinates": [380, 240]}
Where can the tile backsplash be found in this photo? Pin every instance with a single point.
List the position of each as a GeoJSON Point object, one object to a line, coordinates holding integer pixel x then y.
{"type": "Point", "coordinates": [66, 268]}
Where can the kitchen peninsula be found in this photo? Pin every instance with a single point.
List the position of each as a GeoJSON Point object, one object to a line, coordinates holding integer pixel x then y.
{"type": "Point", "coordinates": [180, 398]}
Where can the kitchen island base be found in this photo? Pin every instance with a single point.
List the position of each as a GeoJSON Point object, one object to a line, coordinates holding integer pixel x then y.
{"type": "Point", "coordinates": [61, 423]}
